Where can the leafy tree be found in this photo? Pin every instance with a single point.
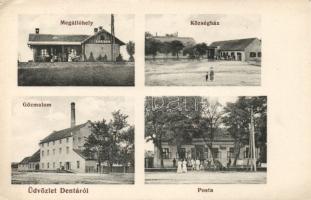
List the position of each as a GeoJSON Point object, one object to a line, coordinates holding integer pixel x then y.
{"type": "Point", "coordinates": [200, 49]}
{"type": "Point", "coordinates": [237, 120]}
{"type": "Point", "coordinates": [130, 48]}
{"type": "Point", "coordinates": [176, 47]}
{"type": "Point", "coordinates": [127, 147]}
{"type": "Point", "coordinates": [165, 48]}
{"type": "Point", "coordinates": [152, 46]}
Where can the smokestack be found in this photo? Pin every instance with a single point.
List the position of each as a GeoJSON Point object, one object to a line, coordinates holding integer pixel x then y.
{"type": "Point", "coordinates": [95, 30]}
{"type": "Point", "coordinates": [73, 115]}
{"type": "Point", "coordinates": [37, 30]}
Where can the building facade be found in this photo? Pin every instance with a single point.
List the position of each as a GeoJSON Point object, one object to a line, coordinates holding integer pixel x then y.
{"type": "Point", "coordinates": [222, 150]}
{"type": "Point", "coordinates": [245, 50]}
{"type": "Point", "coordinates": [63, 150]}
{"type": "Point", "coordinates": [101, 46]}
{"type": "Point", "coordinates": [31, 163]}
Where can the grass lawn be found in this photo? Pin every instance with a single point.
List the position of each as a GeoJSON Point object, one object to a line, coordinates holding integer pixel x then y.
{"type": "Point", "coordinates": [206, 178]}
{"type": "Point", "coordinates": [68, 178]}
{"type": "Point", "coordinates": [192, 73]}
{"type": "Point", "coordinates": [69, 74]}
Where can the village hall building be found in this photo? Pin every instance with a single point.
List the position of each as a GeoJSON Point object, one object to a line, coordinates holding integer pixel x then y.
{"type": "Point", "coordinates": [68, 48]}
{"type": "Point", "coordinates": [248, 49]}
{"type": "Point", "coordinates": [222, 149]}
{"type": "Point", "coordinates": [63, 150]}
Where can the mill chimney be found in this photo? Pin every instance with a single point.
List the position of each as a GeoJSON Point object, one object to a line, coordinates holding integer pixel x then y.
{"type": "Point", "coordinates": [37, 30]}
{"type": "Point", "coordinates": [95, 30]}
{"type": "Point", "coordinates": [73, 115]}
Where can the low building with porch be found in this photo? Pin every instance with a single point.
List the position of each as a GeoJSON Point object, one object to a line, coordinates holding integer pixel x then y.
{"type": "Point", "coordinates": [68, 48]}
{"type": "Point", "coordinates": [197, 149]}
{"type": "Point", "coordinates": [30, 163]}
{"type": "Point", "coordinates": [248, 49]}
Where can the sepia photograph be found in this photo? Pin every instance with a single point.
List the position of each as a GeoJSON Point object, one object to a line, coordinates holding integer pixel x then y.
{"type": "Point", "coordinates": [72, 140]}
{"type": "Point", "coordinates": [202, 50]}
{"type": "Point", "coordinates": [205, 140]}
{"type": "Point", "coordinates": [76, 50]}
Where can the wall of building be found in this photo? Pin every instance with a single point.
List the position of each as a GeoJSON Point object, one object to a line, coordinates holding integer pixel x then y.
{"type": "Point", "coordinates": [255, 47]}
{"type": "Point", "coordinates": [80, 136]}
{"type": "Point", "coordinates": [101, 49]}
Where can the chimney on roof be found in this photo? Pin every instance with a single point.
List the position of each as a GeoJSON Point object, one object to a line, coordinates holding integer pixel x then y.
{"type": "Point", "coordinates": [100, 28]}
{"type": "Point", "coordinates": [73, 115]}
{"type": "Point", "coordinates": [95, 30]}
{"type": "Point", "coordinates": [37, 30]}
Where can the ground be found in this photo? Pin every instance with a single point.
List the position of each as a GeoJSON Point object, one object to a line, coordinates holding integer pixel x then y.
{"type": "Point", "coordinates": [69, 178]}
{"type": "Point", "coordinates": [192, 73]}
{"type": "Point", "coordinates": [76, 74]}
{"type": "Point", "coordinates": [205, 177]}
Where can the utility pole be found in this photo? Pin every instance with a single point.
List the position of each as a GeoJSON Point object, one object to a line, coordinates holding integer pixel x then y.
{"type": "Point", "coordinates": [252, 145]}
{"type": "Point", "coordinates": [112, 38]}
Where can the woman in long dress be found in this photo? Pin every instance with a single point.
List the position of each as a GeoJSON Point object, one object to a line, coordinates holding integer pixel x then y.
{"type": "Point", "coordinates": [197, 165]}
{"type": "Point", "coordinates": [179, 166]}
{"type": "Point", "coordinates": [184, 166]}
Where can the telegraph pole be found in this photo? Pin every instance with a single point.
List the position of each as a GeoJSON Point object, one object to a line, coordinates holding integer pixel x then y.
{"type": "Point", "coordinates": [252, 146]}
{"type": "Point", "coordinates": [112, 38]}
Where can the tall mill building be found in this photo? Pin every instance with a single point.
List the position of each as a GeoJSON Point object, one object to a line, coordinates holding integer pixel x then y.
{"type": "Point", "coordinates": [63, 149]}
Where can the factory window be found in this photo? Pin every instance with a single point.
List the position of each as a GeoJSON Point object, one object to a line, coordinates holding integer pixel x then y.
{"type": "Point", "coordinates": [53, 151]}
{"type": "Point", "coordinates": [42, 144]}
{"type": "Point", "coordinates": [53, 165]}
{"type": "Point", "coordinates": [259, 54]}
{"type": "Point", "coordinates": [78, 164]}
{"type": "Point", "coordinates": [42, 165]}
{"type": "Point", "coordinates": [67, 140]}
{"type": "Point", "coordinates": [42, 153]}
{"type": "Point", "coordinates": [60, 150]}
{"type": "Point", "coordinates": [48, 143]}
{"type": "Point", "coordinates": [60, 141]}
{"type": "Point", "coordinates": [48, 152]}
{"type": "Point", "coordinates": [48, 166]}
{"type": "Point", "coordinates": [252, 54]}
{"type": "Point", "coordinates": [67, 150]}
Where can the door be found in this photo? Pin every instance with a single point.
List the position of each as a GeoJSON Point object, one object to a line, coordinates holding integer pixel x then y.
{"type": "Point", "coordinates": [67, 166]}
{"type": "Point", "coordinates": [239, 56]}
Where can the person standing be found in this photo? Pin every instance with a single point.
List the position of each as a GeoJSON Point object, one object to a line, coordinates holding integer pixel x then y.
{"type": "Point", "coordinates": [206, 76]}
{"type": "Point", "coordinates": [184, 166]}
{"type": "Point", "coordinates": [179, 166]}
{"type": "Point", "coordinates": [192, 164]}
{"type": "Point", "coordinates": [197, 165]}
{"type": "Point", "coordinates": [174, 162]}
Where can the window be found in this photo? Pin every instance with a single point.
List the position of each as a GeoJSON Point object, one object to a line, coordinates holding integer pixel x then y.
{"type": "Point", "coordinates": [252, 54]}
{"type": "Point", "coordinates": [67, 140]}
{"type": "Point", "coordinates": [259, 54]}
{"type": "Point", "coordinates": [48, 166]}
{"type": "Point", "coordinates": [246, 152]}
{"type": "Point", "coordinates": [42, 153]}
{"type": "Point", "coordinates": [78, 164]}
{"type": "Point", "coordinates": [42, 144]}
{"type": "Point", "coordinates": [215, 152]}
{"type": "Point", "coordinates": [165, 153]}
{"type": "Point", "coordinates": [42, 165]}
{"type": "Point", "coordinates": [53, 151]}
{"type": "Point", "coordinates": [44, 52]}
{"type": "Point", "coordinates": [53, 165]}
{"type": "Point", "coordinates": [102, 37]}
{"type": "Point", "coordinates": [48, 143]}
{"type": "Point", "coordinates": [60, 141]}
{"type": "Point", "coordinates": [48, 152]}
{"type": "Point", "coordinates": [60, 150]}
{"type": "Point", "coordinates": [67, 150]}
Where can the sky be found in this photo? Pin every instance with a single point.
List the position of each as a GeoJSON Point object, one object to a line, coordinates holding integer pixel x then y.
{"type": "Point", "coordinates": [50, 24]}
{"type": "Point", "coordinates": [222, 100]}
{"type": "Point", "coordinates": [32, 124]}
{"type": "Point", "coordinates": [231, 26]}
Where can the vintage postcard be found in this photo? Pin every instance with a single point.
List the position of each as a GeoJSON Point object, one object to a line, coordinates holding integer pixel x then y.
{"type": "Point", "coordinates": [203, 50]}
{"type": "Point", "coordinates": [73, 140]}
{"type": "Point", "coordinates": [76, 50]}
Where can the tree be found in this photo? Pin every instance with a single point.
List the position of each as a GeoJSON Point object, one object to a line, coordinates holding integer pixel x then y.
{"type": "Point", "coordinates": [165, 48]}
{"type": "Point", "coordinates": [110, 141]}
{"type": "Point", "coordinates": [176, 47]}
{"type": "Point", "coordinates": [200, 49]}
{"type": "Point", "coordinates": [130, 48]}
{"type": "Point", "coordinates": [127, 147]}
{"type": "Point", "coordinates": [152, 46]}
{"type": "Point", "coordinates": [237, 120]}
{"type": "Point", "coordinates": [209, 122]}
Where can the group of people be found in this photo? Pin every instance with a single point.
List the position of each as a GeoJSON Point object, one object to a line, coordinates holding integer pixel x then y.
{"type": "Point", "coordinates": [210, 75]}
{"type": "Point", "coordinates": [195, 165]}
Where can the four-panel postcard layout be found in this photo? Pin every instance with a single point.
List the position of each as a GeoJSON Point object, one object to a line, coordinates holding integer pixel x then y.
{"type": "Point", "coordinates": [187, 139]}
